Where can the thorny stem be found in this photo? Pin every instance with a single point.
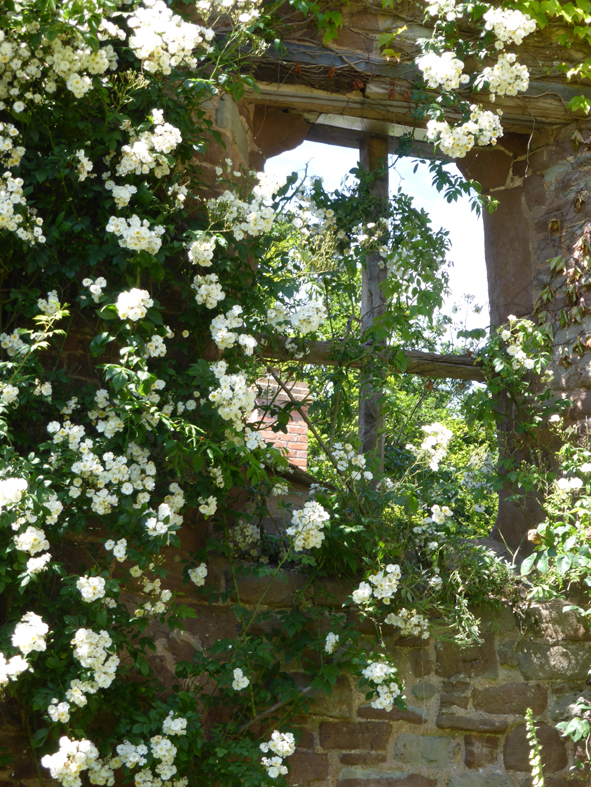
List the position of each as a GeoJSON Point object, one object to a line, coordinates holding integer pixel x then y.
{"type": "Point", "coordinates": [270, 710]}
{"type": "Point", "coordinates": [35, 760]}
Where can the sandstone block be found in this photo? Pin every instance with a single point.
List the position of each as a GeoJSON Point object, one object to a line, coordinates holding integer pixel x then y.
{"type": "Point", "coordinates": [278, 590]}
{"type": "Point", "coordinates": [390, 780]}
{"type": "Point", "coordinates": [476, 661]}
{"type": "Point", "coordinates": [338, 705]}
{"type": "Point", "coordinates": [555, 625]}
{"type": "Point", "coordinates": [472, 724]}
{"type": "Point", "coordinates": [495, 621]}
{"type": "Point", "coordinates": [411, 714]}
{"type": "Point", "coordinates": [424, 690]}
{"type": "Point", "coordinates": [429, 750]}
{"type": "Point", "coordinates": [553, 662]}
{"type": "Point", "coordinates": [362, 758]}
{"type": "Point", "coordinates": [307, 767]}
{"type": "Point", "coordinates": [556, 781]}
{"type": "Point", "coordinates": [480, 750]}
{"type": "Point", "coordinates": [511, 698]}
{"type": "Point", "coordinates": [369, 735]}
{"type": "Point", "coordinates": [516, 751]}
{"type": "Point", "coordinates": [563, 706]}
{"type": "Point", "coordinates": [481, 780]}
{"type": "Point", "coordinates": [453, 700]}
{"type": "Point", "coordinates": [420, 661]}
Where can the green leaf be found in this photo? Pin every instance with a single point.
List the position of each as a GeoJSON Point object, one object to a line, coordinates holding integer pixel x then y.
{"type": "Point", "coordinates": [579, 103]}
{"type": "Point", "coordinates": [39, 737]}
{"type": "Point", "coordinates": [99, 344]}
{"type": "Point", "coordinates": [528, 564]}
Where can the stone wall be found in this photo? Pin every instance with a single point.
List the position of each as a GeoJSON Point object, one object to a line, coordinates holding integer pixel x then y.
{"type": "Point", "coordinates": [464, 724]}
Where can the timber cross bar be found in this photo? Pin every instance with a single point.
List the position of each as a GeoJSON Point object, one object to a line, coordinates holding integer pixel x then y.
{"type": "Point", "coordinates": [453, 367]}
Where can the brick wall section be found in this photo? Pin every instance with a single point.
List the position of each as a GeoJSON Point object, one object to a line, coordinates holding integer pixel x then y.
{"type": "Point", "coordinates": [295, 441]}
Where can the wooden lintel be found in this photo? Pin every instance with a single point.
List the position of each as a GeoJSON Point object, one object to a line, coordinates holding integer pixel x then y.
{"type": "Point", "coordinates": [452, 367]}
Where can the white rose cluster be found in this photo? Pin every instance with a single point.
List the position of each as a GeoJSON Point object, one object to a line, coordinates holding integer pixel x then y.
{"type": "Point", "coordinates": [208, 505]}
{"type": "Point", "coordinates": [351, 462]}
{"type": "Point", "coordinates": [66, 58]}
{"type": "Point", "coordinates": [10, 155]}
{"type": "Point", "coordinates": [8, 394]}
{"type": "Point", "coordinates": [50, 304]}
{"type": "Point", "coordinates": [308, 318]}
{"type": "Point", "coordinates": [85, 165]}
{"type": "Point", "coordinates": [13, 219]}
{"type": "Point", "coordinates": [59, 711]}
{"type": "Point", "coordinates": [133, 304]}
{"type": "Point", "coordinates": [154, 588]}
{"type": "Point", "coordinates": [282, 744]}
{"type": "Point", "coordinates": [331, 643]}
{"type": "Point", "coordinates": [443, 70]}
{"type": "Point", "coordinates": [29, 634]}
{"type": "Point", "coordinates": [95, 286]}
{"type": "Point", "coordinates": [163, 40]}
{"type": "Point", "coordinates": [209, 291]}
{"type": "Point", "coordinates": [222, 330]}
{"type": "Point", "coordinates": [387, 694]}
{"type": "Point", "coordinates": [252, 218]}
{"type": "Point", "coordinates": [378, 672]}
{"type": "Point", "coordinates": [147, 151]}
{"type": "Point", "coordinates": [91, 650]}
{"type": "Point", "coordinates": [569, 484]}
{"type": "Point", "coordinates": [506, 77]}
{"type": "Point", "coordinates": [198, 575]}
{"type": "Point", "coordinates": [307, 526]}
{"type": "Point", "coordinates": [91, 588]}
{"type": "Point", "coordinates": [167, 516]}
{"type": "Point", "coordinates": [11, 492]}
{"type": "Point", "coordinates": [102, 481]}
{"type": "Point", "coordinates": [508, 25]}
{"type": "Point", "coordinates": [33, 540]}
{"type": "Point", "coordinates": [277, 315]}
{"type": "Point", "coordinates": [234, 400]}
{"type": "Point", "coordinates": [244, 539]}
{"type": "Point", "coordinates": [12, 342]}
{"type": "Point", "coordinates": [483, 128]}
{"type": "Point", "coordinates": [136, 234]}
{"type": "Point", "coordinates": [35, 565]}
{"type": "Point", "coordinates": [519, 358]}
{"type": "Point", "coordinates": [434, 447]}
{"type": "Point", "coordinates": [72, 758]}
{"type": "Point", "coordinates": [121, 194]}
{"type": "Point", "coordinates": [174, 725]}
{"type": "Point", "coordinates": [240, 681]}
{"type": "Point", "coordinates": [11, 669]}
{"type": "Point", "coordinates": [410, 623]}
{"type": "Point", "coordinates": [447, 9]}
{"type": "Point", "coordinates": [202, 249]}
{"type": "Point", "coordinates": [385, 584]}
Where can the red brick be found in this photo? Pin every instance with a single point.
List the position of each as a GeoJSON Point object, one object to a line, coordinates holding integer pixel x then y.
{"type": "Point", "coordinates": [371, 735]}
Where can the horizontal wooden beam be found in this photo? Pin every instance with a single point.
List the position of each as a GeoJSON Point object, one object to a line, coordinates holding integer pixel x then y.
{"type": "Point", "coordinates": [362, 87]}
{"type": "Point", "coordinates": [452, 367]}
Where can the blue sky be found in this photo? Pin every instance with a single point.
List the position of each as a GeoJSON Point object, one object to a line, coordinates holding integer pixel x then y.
{"type": "Point", "coordinates": [468, 274]}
